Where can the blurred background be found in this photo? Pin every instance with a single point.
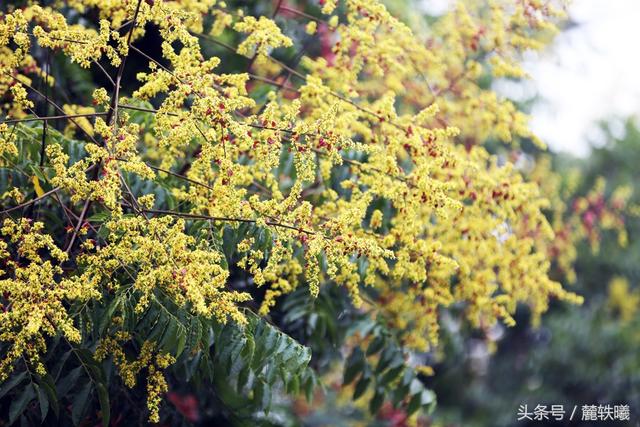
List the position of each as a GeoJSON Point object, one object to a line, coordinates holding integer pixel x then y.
{"type": "Point", "coordinates": [583, 97]}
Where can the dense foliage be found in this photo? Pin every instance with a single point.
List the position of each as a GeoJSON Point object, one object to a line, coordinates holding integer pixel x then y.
{"type": "Point", "coordinates": [223, 200]}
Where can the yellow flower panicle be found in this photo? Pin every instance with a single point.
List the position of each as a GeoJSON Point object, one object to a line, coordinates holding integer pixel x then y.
{"type": "Point", "coordinates": [34, 296]}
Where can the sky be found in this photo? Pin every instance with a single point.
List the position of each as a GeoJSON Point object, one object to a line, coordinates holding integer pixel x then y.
{"type": "Point", "coordinates": [590, 73]}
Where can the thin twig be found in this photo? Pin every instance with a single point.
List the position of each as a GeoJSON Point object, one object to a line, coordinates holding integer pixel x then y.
{"type": "Point", "coordinates": [65, 116]}
{"type": "Point", "coordinates": [105, 73]}
{"type": "Point", "coordinates": [227, 219]}
{"type": "Point", "coordinates": [30, 202]}
{"type": "Point", "coordinates": [45, 124]}
{"type": "Point", "coordinates": [303, 14]}
{"type": "Point", "coordinates": [56, 106]}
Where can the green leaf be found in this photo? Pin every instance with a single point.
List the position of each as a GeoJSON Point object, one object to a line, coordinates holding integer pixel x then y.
{"type": "Point", "coordinates": [43, 400]}
{"type": "Point", "coordinates": [195, 334]}
{"type": "Point", "coordinates": [229, 243]}
{"type": "Point", "coordinates": [182, 340]}
{"type": "Point", "coordinates": [49, 387]}
{"type": "Point", "coordinates": [107, 315]}
{"type": "Point", "coordinates": [428, 397]}
{"type": "Point", "coordinates": [20, 404]}
{"type": "Point", "coordinates": [415, 386]}
{"type": "Point", "coordinates": [391, 375]}
{"type": "Point", "coordinates": [376, 400]}
{"type": "Point", "coordinates": [169, 339]}
{"type": "Point", "coordinates": [38, 172]}
{"type": "Point", "coordinates": [249, 349]}
{"type": "Point", "coordinates": [129, 315]}
{"type": "Point", "coordinates": [273, 342]}
{"type": "Point", "coordinates": [271, 373]}
{"type": "Point", "coordinates": [385, 359]}
{"type": "Point", "coordinates": [262, 395]}
{"type": "Point", "coordinates": [361, 386]}
{"type": "Point", "coordinates": [309, 386]}
{"type": "Point", "coordinates": [99, 217]}
{"type": "Point", "coordinates": [12, 382]}
{"type": "Point", "coordinates": [375, 346]}
{"type": "Point", "coordinates": [289, 351]}
{"type": "Point", "coordinates": [159, 327]}
{"type": "Point", "coordinates": [414, 404]}
{"type": "Point", "coordinates": [105, 408]}
{"type": "Point", "coordinates": [293, 386]}
{"type": "Point", "coordinates": [80, 403]}
{"type": "Point", "coordinates": [59, 366]}
{"type": "Point", "coordinates": [399, 393]}
{"type": "Point", "coordinates": [243, 377]}
{"type": "Point", "coordinates": [89, 363]}
{"type": "Point", "coordinates": [68, 381]}
{"type": "Point", "coordinates": [355, 365]}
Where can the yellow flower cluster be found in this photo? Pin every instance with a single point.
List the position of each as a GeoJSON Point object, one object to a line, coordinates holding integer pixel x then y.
{"type": "Point", "coordinates": [149, 358]}
{"type": "Point", "coordinates": [189, 272]}
{"type": "Point", "coordinates": [264, 35]}
{"type": "Point", "coordinates": [35, 298]}
{"type": "Point", "coordinates": [7, 141]}
{"type": "Point", "coordinates": [624, 301]}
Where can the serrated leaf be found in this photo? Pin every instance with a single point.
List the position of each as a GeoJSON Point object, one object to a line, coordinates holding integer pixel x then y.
{"type": "Point", "coordinates": [293, 386]}
{"type": "Point", "coordinates": [272, 343]}
{"type": "Point", "coordinates": [271, 373]}
{"type": "Point", "coordinates": [309, 384]}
